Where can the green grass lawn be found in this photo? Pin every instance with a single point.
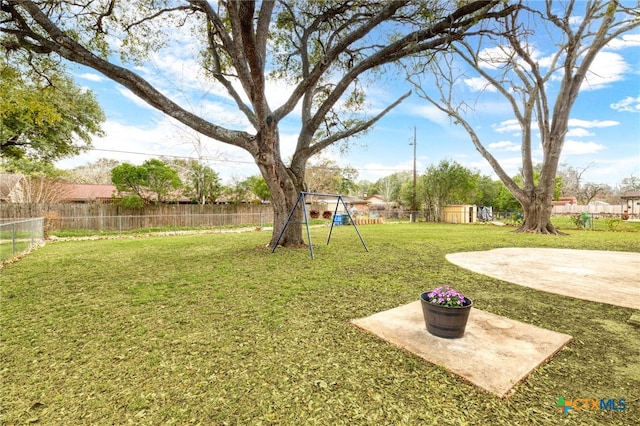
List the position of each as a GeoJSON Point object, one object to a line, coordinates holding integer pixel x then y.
{"type": "Point", "coordinates": [215, 329]}
{"type": "Point", "coordinates": [10, 248]}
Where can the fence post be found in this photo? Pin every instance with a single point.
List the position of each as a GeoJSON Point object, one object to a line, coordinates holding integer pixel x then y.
{"type": "Point", "coordinates": [13, 239]}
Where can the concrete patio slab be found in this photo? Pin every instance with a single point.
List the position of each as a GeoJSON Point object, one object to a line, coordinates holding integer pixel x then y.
{"type": "Point", "coordinates": [495, 353]}
{"type": "Point", "coordinates": [595, 275]}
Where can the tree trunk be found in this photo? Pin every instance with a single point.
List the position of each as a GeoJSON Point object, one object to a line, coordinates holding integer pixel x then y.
{"type": "Point", "coordinates": [285, 185]}
{"type": "Point", "coordinates": [283, 202]}
{"type": "Point", "coordinates": [537, 212]}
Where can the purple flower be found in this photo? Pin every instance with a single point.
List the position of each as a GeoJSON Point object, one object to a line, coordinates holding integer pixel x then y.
{"type": "Point", "coordinates": [446, 296]}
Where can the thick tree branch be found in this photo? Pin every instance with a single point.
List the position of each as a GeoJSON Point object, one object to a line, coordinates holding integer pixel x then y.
{"type": "Point", "coordinates": [324, 143]}
{"type": "Point", "coordinates": [66, 47]}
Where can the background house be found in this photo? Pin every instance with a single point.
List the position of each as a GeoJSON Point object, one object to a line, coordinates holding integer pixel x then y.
{"type": "Point", "coordinates": [631, 202]}
{"type": "Point", "coordinates": [563, 201]}
{"type": "Point", "coordinates": [89, 193]}
{"type": "Point", "coordinates": [329, 203]}
{"type": "Point", "coordinates": [12, 188]}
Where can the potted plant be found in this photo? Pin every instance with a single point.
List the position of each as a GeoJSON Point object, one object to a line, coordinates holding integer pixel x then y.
{"type": "Point", "coordinates": [445, 311]}
{"type": "Point", "coordinates": [327, 214]}
{"type": "Point", "coordinates": [314, 214]}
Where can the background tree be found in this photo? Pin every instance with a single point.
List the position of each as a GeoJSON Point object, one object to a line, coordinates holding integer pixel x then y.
{"type": "Point", "coordinates": [97, 172]}
{"type": "Point", "coordinates": [322, 176]}
{"type": "Point", "coordinates": [238, 192]}
{"type": "Point", "coordinates": [42, 118]}
{"type": "Point", "coordinates": [366, 188]}
{"type": "Point", "coordinates": [258, 187]}
{"type": "Point", "coordinates": [631, 183]}
{"type": "Point", "coordinates": [324, 50]}
{"type": "Point", "coordinates": [43, 190]}
{"type": "Point", "coordinates": [347, 182]}
{"type": "Point", "coordinates": [406, 195]}
{"type": "Point", "coordinates": [152, 182]}
{"type": "Point", "coordinates": [129, 181]}
{"type": "Point", "coordinates": [203, 183]}
{"type": "Point", "coordinates": [41, 183]}
{"type": "Point", "coordinates": [486, 190]}
{"type": "Point", "coordinates": [571, 178]}
{"type": "Point", "coordinates": [541, 95]}
{"type": "Point", "coordinates": [447, 183]}
{"type": "Point", "coordinates": [326, 177]}
{"type": "Point", "coordinates": [30, 167]}
{"type": "Point", "coordinates": [200, 182]}
{"type": "Point", "coordinates": [505, 201]}
{"type": "Point", "coordinates": [390, 186]}
{"type": "Point", "coordinates": [589, 191]}
{"type": "Point", "coordinates": [572, 185]}
{"type": "Point", "coordinates": [161, 180]}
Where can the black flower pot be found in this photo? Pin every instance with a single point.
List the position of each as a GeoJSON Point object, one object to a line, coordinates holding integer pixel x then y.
{"type": "Point", "coordinates": [445, 321]}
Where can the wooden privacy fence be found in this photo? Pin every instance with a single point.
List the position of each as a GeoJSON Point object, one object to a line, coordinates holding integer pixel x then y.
{"type": "Point", "coordinates": [22, 211]}
{"type": "Point", "coordinates": [116, 218]}
{"type": "Point", "coordinates": [128, 223]}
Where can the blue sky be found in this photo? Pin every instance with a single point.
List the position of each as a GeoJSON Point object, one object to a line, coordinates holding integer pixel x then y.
{"type": "Point", "coordinates": [604, 130]}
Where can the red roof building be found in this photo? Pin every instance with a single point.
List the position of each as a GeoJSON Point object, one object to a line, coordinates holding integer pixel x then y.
{"type": "Point", "coordinates": [89, 193]}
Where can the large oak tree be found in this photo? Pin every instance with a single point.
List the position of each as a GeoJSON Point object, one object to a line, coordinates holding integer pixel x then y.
{"type": "Point", "coordinates": [324, 49]}
{"type": "Point", "coordinates": [44, 118]}
{"type": "Point", "coordinates": [540, 87]}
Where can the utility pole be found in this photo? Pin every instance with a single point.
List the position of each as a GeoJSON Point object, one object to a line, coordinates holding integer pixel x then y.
{"type": "Point", "coordinates": [414, 208]}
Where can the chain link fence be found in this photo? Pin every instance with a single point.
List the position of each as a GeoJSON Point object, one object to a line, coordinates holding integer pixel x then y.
{"type": "Point", "coordinates": [19, 236]}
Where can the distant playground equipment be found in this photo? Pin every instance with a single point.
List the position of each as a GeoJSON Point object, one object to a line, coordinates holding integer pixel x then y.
{"type": "Point", "coordinates": [338, 219]}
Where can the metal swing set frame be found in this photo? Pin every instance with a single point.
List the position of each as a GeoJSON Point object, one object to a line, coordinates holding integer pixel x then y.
{"type": "Point", "coordinates": [301, 200]}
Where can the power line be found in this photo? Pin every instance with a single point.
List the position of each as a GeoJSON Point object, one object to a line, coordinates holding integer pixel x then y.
{"type": "Point", "coordinates": [231, 161]}
{"type": "Point", "coordinates": [170, 155]}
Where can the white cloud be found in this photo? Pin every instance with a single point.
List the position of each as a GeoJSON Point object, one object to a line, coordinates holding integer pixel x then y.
{"type": "Point", "coordinates": [288, 142]}
{"type": "Point", "coordinates": [218, 112]}
{"type": "Point", "coordinates": [578, 133]}
{"type": "Point", "coordinates": [507, 126]}
{"type": "Point", "coordinates": [575, 20]}
{"type": "Point", "coordinates": [572, 147]}
{"type": "Point", "coordinates": [628, 104]}
{"type": "Point", "coordinates": [504, 146]}
{"type": "Point", "coordinates": [539, 58]}
{"type": "Point", "coordinates": [511, 165]}
{"type": "Point", "coordinates": [618, 167]}
{"type": "Point", "coordinates": [575, 122]}
{"type": "Point", "coordinates": [133, 98]}
{"type": "Point", "coordinates": [627, 40]}
{"type": "Point", "coordinates": [494, 57]}
{"type": "Point", "coordinates": [92, 77]}
{"type": "Point", "coordinates": [164, 137]}
{"type": "Point", "coordinates": [373, 171]}
{"type": "Point", "coordinates": [479, 84]}
{"type": "Point", "coordinates": [432, 113]}
{"type": "Point", "coordinates": [607, 68]}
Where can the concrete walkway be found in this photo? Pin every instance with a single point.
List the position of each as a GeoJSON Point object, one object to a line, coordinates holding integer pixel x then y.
{"type": "Point", "coordinates": [611, 277]}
